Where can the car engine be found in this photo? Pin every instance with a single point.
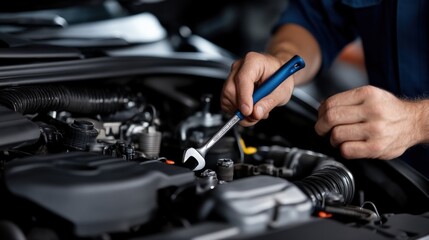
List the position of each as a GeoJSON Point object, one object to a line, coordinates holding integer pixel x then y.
{"type": "Point", "coordinates": [83, 161]}
{"type": "Point", "coordinates": [92, 143]}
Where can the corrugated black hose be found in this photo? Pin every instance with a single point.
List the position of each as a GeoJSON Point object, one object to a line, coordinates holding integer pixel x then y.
{"type": "Point", "coordinates": [85, 100]}
{"type": "Point", "coordinates": [319, 176]}
{"type": "Point", "coordinates": [328, 178]}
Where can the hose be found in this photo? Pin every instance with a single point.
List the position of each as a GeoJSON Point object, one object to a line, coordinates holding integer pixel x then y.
{"type": "Point", "coordinates": [329, 177]}
{"type": "Point", "coordinates": [316, 174]}
{"type": "Point", "coordinates": [85, 100]}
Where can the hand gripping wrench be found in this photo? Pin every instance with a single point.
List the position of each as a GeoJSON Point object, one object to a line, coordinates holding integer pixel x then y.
{"type": "Point", "coordinates": [292, 66]}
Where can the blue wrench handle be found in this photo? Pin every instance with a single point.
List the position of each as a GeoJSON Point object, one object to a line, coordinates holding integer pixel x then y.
{"type": "Point", "coordinates": [292, 66]}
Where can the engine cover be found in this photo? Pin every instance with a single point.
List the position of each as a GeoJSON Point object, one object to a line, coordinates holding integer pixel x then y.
{"type": "Point", "coordinates": [95, 193]}
{"type": "Point", "coordinates": [16, 130]}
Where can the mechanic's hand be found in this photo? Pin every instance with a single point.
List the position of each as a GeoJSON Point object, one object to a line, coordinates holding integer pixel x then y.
{"type": "Point", "coordinates": [245, 76]}
{"type": "Point", "coordinates": [368, 122]}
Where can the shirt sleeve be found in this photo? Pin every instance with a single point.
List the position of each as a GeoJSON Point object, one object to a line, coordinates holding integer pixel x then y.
{"type": "Point", "coordinates": [330, 22]}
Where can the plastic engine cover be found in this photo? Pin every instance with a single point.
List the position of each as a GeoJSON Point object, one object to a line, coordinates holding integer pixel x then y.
{"type": "Point", "coordinates": [261, 202]}
{"type": "Point", "coordinates": [96, 193]}
{"type": "Point", "coordinates": [16, 130]}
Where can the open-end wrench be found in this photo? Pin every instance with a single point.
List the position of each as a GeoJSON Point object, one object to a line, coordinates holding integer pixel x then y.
{"type": "Point", "coordinates": [293, 65]}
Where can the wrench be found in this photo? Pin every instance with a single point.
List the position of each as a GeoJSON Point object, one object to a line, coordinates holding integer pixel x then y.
{"type": "Point", "coordinates": [292, 66]}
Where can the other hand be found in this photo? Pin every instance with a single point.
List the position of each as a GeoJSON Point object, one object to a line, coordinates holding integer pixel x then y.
{"type": "Point", "coordinates": [369, 122]}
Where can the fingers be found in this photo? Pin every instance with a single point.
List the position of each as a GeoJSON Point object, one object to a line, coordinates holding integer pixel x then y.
{"type": "Point", "coordinates": [347, 133]}
{"type": "Point", "coordinates": [239, 86]}
{"type": "Point", "coordinates": [344, 117]}
{"type": "Point", "coordinates": [355, 149]}
{"type": "Point", "coordinates": [250, 72]}
{"type": "Point", "coordinates": [249, 121]}
{"type": "Point", "coordinates": [352, 97]}
{"type": "Point", "coordinates": [353, 106]}
{"type": "Point", "coordinates": [227, 105]}
{"type": "Point", "coordinates": [228, 95]}
{"type": "Point", "coordinates": [280, 96]}
{"type": "Point", "coordinates": [367, 122]}
{"type": "Point", "coordinates": [339, 115]}
{"type": "Point", "coordinates": [364, 149]}
{"type": "Point", "coordinates": [246, 74]}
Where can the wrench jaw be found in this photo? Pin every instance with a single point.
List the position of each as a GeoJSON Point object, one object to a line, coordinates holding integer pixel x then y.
{"type": "Point", "coordinates": [195, 154]}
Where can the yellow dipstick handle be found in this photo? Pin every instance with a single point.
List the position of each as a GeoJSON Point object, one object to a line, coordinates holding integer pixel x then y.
{"type": "Point", "coordinates": [247, 150]}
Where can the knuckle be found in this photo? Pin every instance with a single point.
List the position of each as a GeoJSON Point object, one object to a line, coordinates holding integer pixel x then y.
{"type": "Point", "coordinates": [375, 109]}
{"type": "Point", "coordinates": [242, 76]}
{"type": "Point", "coordinates": [269, 103]}
{"type": "Point", "coordinates": [329, 103]}
{"type": "Point", "coordinates": [336, 135]}
{"type": "Point", "coordinates": [266, 116]}
{"type": "Point", "coordinates": [346, 151]}
{"type": "Point", "coordinates": [252, 55]}
{"type": "Point", "coordinates": [228, 92]}
{"type": "Point", "coordinates": [365, 90]}
{"type": "Point", "coordinates": [254, 59]}
{"type": "Point", "coordinates": [376, 148]}
{"type": "Point", "coordinates": [235, 67]}
{"type": "Point", "coordinates": [236, 64]}
{"type": "Point", "coordinates": [377, 129]}
{"type": "Point", "coordinates": [331, 116]}
{"type": "Point", "coordinates": [333, 142]}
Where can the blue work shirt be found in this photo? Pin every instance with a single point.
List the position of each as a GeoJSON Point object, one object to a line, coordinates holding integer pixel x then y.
{"type": "Point", "coordinates": [394, 35]}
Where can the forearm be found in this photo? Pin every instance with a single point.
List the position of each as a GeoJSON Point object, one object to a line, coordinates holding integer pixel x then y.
{"type": "Point", "coordinates": [292, 39]}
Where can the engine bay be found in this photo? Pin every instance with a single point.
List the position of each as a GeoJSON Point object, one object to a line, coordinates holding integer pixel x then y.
{"type": "Point", "coordinates": [84, 160]}
{"type": "Point", "coordinates": [97, 111]}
